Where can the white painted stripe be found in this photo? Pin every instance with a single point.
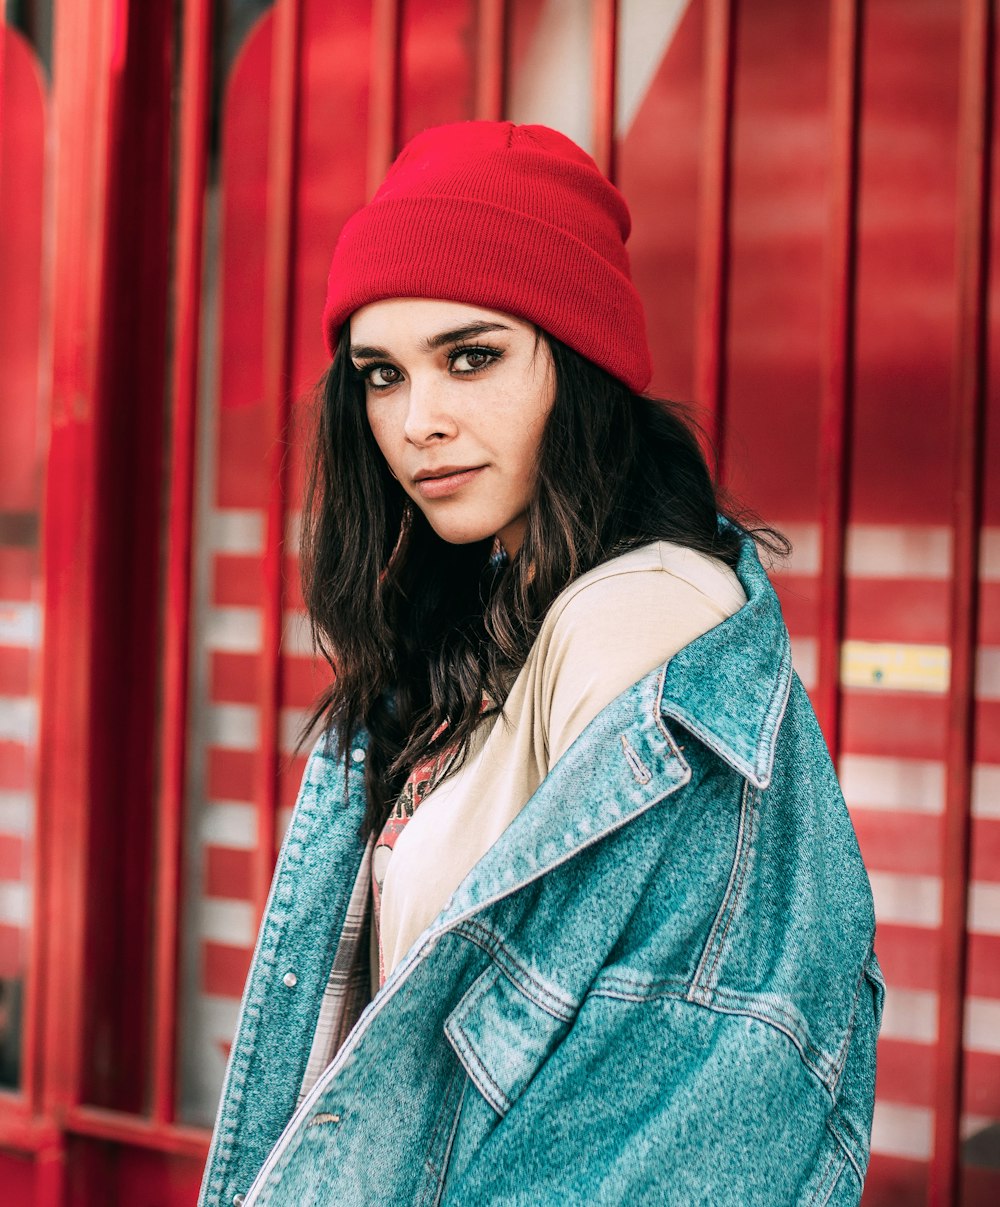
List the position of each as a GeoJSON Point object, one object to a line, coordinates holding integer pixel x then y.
{"type": "Point", "coordinates": [219, 1015]}
{"type": "Point", "coordinates": [233, 726]}
{"type": "Point", "coordinates": [230, 922]}
{"type": "Point", "coordinates": [296, 638]}
{"type": "Point", "coordinates": [282, 821]}
{"type": "Point", "coordinates": [889, 551]}
{"type": "Point", "coordinates": [988, 673]}
{"type": "Point", "coordinates": [910, 1014]}
{"type": "Point", "coordinates": [645, 30]}
{"type": "Point", "coordinates": [20, 624]}
{"type": "Point", "coordinates": [233, 630]}
{"type": "Point", "coordinates": [290, 723]}
{"type": "Point", "coordinates": [877, 782]}
{"type": "Point", "coordinates": [989, 555]}
{"type": "Point", "coordinates": [984, 908]}
{"type": "Point", "coordinates": [970, 1125]}
{"type": "Point", "coordinates": [805, 659]}
{"type": "Point", "coordinates": [238, 631]}
{"type": "Point", "coordinates": [208, 1022]}
{"type": "Point", "coordinates": [986, 791]}
{"type": "Point", "coordinates": [229, 824]}
{"type": "Point", "coordinates": [236, 531]}
{"type": "Point", "coordinates": [17, 813]}
{"type": "Point", "coordinates": [15, 903]}
{"type": "Point", "coordinates": [902, 1131]}
{"type": "Point", "coordinates": [806, 548]}
{"type": "Point", "coordinates": [982, 1025]}
{"type": "Point", "coordinates": [898, 551]}
{"type": "Point", "coordinates": [553, 82]}
{"type": "Point", "coordinates": [907, 900]}
{"type": "Point", "coordinates": [18, 720]}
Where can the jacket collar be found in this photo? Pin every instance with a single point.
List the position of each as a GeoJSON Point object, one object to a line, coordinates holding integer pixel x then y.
{"type": "Point", "coordinates": [729, 688]}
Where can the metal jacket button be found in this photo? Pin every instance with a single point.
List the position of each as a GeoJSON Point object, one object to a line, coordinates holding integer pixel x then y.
{"type": "Point", "coordinates": [238, 1200]}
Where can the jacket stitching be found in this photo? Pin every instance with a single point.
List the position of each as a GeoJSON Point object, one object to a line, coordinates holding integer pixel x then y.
{"type": "Point", "coordinates": [841, 1058]}
{"type": "Point", "coordinates": [446, 1158]}
{"type": "Point", "coordinates": [775, 710]}
{"type": "Point", "coordinates": [638, 768]}
{"type": "Point", "coordinates": [557, 1005]}
{"type": "Point", "coordinates": [790, 1023]}
{"type": "Point", "coordinates": [832, 1184]}
{"type": "Point", "coordinates": [830, 1160]}
{"type": "Point", "coordinates": [464, 1048]}
{"type": "Point", "coordinates": [658, 714]}
{"type": "Point", "coordinates": [711, 740]}
{"type": "Point", "coordinates": [477, 991]}
{"type": "Point", "coordinates": [444, 1115]}
{"type": "Point", "coordinates": [429, 1161]}
{"type": "Point", "coordinates": [699, 985]}
{"type": "Point", "coordinates": [478, 1072]}
{"type": "Point", "coordinates": [838, 1133]}
{"type": "Point", "coordinates": [751, 799]}
{"type": "Point", "coordinates": [817, 1062]}
{"type": "Point", "coordinates": [637, 989]}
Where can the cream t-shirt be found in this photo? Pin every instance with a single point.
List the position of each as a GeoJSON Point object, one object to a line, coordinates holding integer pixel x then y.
{"type": "Point", "coordinates": [608, 629]}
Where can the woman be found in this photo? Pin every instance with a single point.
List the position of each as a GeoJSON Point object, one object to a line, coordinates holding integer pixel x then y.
{"type": "Point", "coordinates": [570, 909]}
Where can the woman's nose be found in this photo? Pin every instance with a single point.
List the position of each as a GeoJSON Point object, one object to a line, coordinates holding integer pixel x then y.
{"type": "Point", "coordinates": [428, 418]}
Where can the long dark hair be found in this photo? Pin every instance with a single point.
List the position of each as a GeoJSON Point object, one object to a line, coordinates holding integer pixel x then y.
{"type": "Point", "coordinates": [419, 631]}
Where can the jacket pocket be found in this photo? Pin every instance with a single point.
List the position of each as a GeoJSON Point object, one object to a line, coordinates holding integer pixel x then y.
{"type": "Point", "coordinates": [503, 1030]}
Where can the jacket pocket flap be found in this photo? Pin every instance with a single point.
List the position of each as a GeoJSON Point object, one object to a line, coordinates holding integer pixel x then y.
{"type": "Point", "coordinates": [502, 1036]}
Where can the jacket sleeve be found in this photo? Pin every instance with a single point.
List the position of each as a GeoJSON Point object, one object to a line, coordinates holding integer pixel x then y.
{"type": "Point", "coordinates": [656, 1099]}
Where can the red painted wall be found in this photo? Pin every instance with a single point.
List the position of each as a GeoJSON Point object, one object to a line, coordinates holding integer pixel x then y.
{"type": "Point", "coordinates": [776, 334]}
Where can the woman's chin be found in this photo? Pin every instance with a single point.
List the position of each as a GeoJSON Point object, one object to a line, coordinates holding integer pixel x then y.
{"type": "Point", "coordinates": [462, 536]}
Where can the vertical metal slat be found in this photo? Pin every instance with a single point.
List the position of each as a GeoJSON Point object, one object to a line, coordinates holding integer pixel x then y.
{"type": "Point", "coordinates": [968, 471]}
{"type": "Point", "coordinates": [283, 172]}
{"type": "Point", "coordinates": [604, 35]}
{"type": "Point", "coordinates": [194, 92]}
{"type": "Point", "coordinates": [491, 60]}
{"type": "Point", "coordinates": [383, 106]}
{"type": "Point", "coordinates": [83, 106]}
{"type": "Point", "coordinates": [836, 400]}
{"type": "Point", "coordinates": [713, 218]}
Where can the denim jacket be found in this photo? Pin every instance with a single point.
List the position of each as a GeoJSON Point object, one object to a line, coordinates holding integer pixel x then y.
{"type": "Point", "coordinates": [658, 986]}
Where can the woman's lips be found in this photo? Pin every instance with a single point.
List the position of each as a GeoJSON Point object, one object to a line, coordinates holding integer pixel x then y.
{"type": "Point", "coordinates": [447, 484]}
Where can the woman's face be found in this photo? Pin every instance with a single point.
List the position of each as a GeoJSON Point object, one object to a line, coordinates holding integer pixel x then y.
{"type": "Point", "coordinates": [457, 398]}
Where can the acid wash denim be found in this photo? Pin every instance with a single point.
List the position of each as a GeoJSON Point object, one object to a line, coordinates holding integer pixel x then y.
{"type": "Point", "coordinates": [657, 987]}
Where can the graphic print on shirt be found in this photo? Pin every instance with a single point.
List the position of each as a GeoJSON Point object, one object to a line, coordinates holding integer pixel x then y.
{"type": "Point", "coordinates": [423, 779]}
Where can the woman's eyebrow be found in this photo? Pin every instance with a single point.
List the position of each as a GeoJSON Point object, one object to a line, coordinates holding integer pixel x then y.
{"type": "Point", "coordinates": [365, 352]}
{"type": "Point", "coordinates": [470, 329]}
{"type": "Point", "coordinates": [432, 343]}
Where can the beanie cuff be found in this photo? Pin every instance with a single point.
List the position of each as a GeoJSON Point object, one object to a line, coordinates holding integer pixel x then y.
{"type": "Point", "coordinates": [480, 253]}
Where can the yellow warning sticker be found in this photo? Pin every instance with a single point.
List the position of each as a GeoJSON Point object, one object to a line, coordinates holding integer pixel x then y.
{"type": "Point", "coordinates": [895, 666]}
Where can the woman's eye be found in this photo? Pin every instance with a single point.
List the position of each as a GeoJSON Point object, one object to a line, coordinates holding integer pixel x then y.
{"type": "Point", "coordinates": [471, 360]}
{"type": "Point", "coordinates": [381, 376]}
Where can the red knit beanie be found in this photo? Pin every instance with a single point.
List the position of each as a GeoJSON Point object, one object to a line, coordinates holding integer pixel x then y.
{"type": "Point", "coordinates": [512, 218]}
